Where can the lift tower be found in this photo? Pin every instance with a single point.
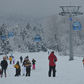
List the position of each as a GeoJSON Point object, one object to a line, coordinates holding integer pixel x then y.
{"type": "Point", "coordinates": [70, 11]}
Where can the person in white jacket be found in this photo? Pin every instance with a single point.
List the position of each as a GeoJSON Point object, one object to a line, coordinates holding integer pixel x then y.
{"type": "Point", "coordinates": [13, 60]}
{"type": "Point", "coordinates": [23, 70]}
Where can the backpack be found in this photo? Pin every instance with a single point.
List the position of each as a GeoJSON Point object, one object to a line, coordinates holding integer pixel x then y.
{"type": "Point", "coordinates": [16, 66]}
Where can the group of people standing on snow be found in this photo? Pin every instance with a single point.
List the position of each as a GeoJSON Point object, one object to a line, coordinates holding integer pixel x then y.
{"type": "Point", "coordinates": [12, 59]}
{"type": "Point", "coordinates": [26, 65]}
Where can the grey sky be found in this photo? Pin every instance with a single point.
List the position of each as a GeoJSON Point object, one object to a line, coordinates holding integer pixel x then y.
{"type": "Point", "coordinates": [34, 7]}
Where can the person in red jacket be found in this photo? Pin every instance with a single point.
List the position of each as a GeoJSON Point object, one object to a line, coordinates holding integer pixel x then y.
{"type": "Point", "coordinates": [83, 61]}
{"type": "Point", "coordinates": [52, 59]}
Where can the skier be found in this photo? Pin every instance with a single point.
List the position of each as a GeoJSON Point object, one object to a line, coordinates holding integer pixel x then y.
{"type": "Point", "coordinates": [21, 59]}
{"type": "Point", "coordinates": [48, 52]}
{"type": "Point", "coordinates": [27, 64]}
{"type": "Point", "coordinates": [52, 59]}
{"type": "Point", "coordinates": [10, 59]}
{"type": "Point", "coordinates": [18, 69]}
{"type": "Point", "coordinates": [33, 63]}
{"type": "Point", "coordinates": [4, 65]}
{"type": "Point", "coordinates": [13, 60]}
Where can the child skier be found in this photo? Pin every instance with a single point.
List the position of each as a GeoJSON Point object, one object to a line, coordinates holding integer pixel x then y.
{"type": "Point", "coordinates": [13, 60]}
{"type": "Point", "coordinates": [18, 69]}
{"type": "Point", "coordinates": [10, 59]}
{"type": "Point", "coordinates": [33, 64]}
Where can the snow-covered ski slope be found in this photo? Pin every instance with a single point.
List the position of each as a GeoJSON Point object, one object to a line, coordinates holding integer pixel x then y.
{"type": "Point", "coordinates": [68, 72]}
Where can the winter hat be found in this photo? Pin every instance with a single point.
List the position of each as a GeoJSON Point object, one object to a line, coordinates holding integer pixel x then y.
{"type": "Point", "coordinates": [52, 51]}
{"type": "Point", "coordinates": [17, 62]}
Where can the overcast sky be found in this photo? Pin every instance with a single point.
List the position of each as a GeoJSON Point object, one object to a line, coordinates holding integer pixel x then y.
{"type": "Point", "coordinates": [34, 7]}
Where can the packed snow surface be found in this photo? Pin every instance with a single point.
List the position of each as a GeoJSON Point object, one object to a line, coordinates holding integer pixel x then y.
{"type": "Point", "coordinates": [67, 72]}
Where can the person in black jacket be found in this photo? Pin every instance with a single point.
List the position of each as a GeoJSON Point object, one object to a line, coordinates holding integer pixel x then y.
{"type": "Point", "coordinates": [4, 65]}
{"type": "Point", "coordinates": [21, 59]}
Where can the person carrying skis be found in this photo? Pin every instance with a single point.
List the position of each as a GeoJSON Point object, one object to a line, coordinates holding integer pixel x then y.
{"type": "Point", "coordinates": [33, 64]}
{"type": "Point", "coordinates": [18, 69]}
{"type": "Point", "coordinates": [27, 64]}
{"type": "Point", "coordinates": [52, 59]}
{"type": "Point", "coordinates": [4, 65]}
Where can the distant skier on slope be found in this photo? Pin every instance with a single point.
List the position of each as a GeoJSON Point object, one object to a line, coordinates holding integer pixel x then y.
{"type": "Point", "coordinates": [10, 59]}
{"type": "Point", "coordinates": [52, 59]}
{"type": "Point", "coordinates": [21, 59]}
{"type": "Point", "coordinates": [13, 58]}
